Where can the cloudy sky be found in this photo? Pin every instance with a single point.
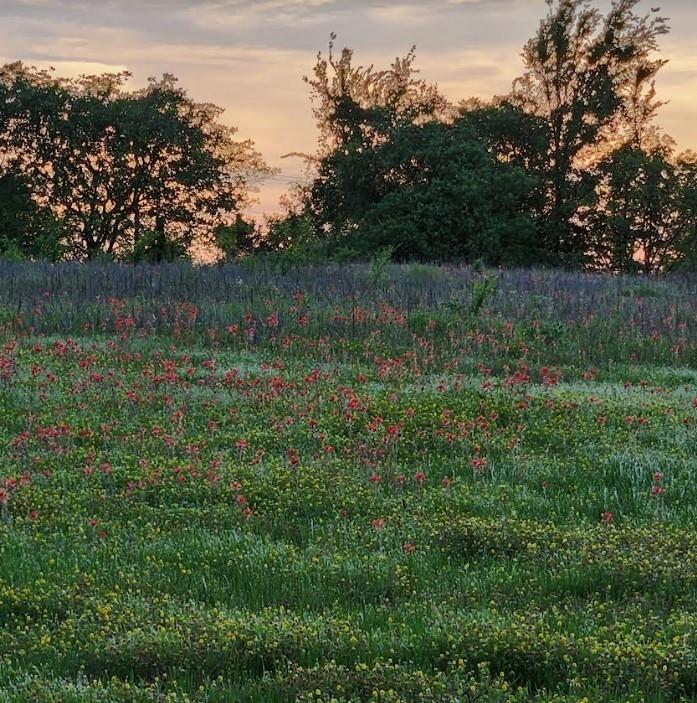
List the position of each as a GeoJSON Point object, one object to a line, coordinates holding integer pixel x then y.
{"type": "Point", "coordinates": [249, 56]}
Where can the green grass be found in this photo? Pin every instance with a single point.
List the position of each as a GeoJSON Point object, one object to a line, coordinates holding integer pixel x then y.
{"type": "Point", "coordinates": [377, 517]}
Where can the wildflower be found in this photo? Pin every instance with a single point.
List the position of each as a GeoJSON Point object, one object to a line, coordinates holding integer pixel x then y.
{"type": "Point", "coordinates": [607, 517]}
{"type": "Point", "coordinates": [478, 463]}
{"type": "Point", "coordinates": [378, 523]}
{"type": "Point", "coordinates": [446, 482]}
{"type": "Point", "coordinates": [408, 548]}
{"type": "Point", "coordinates": [420, 477]}
{"type": "Point", "coordinates": [374, 479]}
{"type": "Point", "coordinates": [656, 490]}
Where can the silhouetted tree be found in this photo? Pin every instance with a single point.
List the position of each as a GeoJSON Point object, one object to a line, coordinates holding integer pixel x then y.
{"type": "Point", "coordinates": [589, 78]}
{"type": "Point", "coordinates": [235, 239]}
{"type": "Point", "coordinates": [113, 164]}
{"type": "Point", "coordinates": [395, 168]}
{"type": "Point", "coordinates": [26, 230]}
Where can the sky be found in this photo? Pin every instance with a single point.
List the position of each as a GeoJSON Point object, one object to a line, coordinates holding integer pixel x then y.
{"type": "Point", "coordinates": [250, 56]}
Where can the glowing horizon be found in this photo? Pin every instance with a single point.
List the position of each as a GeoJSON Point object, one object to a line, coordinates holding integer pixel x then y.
{"type": "Point", "coordinates": [223, 49]}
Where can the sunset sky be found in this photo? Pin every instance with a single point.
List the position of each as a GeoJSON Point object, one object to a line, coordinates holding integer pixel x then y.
{"type": "Point", "coordinates": [249, 57]}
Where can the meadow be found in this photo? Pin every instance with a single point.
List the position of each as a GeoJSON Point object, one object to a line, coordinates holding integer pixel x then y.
{"type": "Point", "coordinates": [344, 483]}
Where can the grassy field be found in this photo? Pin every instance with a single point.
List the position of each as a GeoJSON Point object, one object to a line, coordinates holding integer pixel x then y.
{"type": "Point", "coordinates": [338, 484]}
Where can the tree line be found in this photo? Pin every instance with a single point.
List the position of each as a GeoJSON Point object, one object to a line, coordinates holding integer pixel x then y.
{"type": "Point", "coordinates": [89, 168]}
{"type": "Point", "coordinates": [568, 169]}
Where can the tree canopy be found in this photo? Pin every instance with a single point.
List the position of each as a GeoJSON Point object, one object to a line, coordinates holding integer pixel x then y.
{"type": "Point", "coordinates": [114, 165]}
{"type": "Point", "coordinates": [569, 168]}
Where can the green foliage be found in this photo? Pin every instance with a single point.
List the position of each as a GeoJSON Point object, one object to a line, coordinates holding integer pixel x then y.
{"type": "Point", "coordinates": [521, 181]}
{"type": "Point", "coordinates": [155, 247]}
{"type": "Point", "coordinates": [378, 263]}
{"type": "Point", "coordinates": [292, 231]}
{"type": "Point", "coordinates": [113, 163]}
{"type": "Point", "coordinates": [27, 231]}
{"type": "Point", "coordinates": [292, 258]}
{"type": "Point", "coordinates": [585, 74]}
{"type": "Point", "coordinates": [686, 246]}
{"type": "Point", "coordinates": [236, 239]}
{"type": "Point", "coordinates": [483, 288]}
{"type": "Point", "coordinates": [641, 222]}
{"type": "Point", "coordinates": [431, 189]}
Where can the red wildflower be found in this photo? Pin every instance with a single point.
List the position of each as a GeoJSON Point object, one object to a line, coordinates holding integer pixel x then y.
{"type": "Point", "coordinates": [378, 523]}
{"type": "Point", "coordinates": [478, 463]}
